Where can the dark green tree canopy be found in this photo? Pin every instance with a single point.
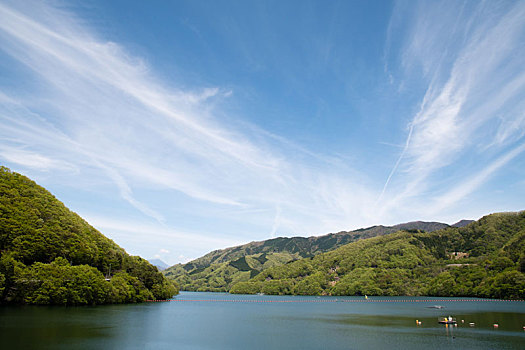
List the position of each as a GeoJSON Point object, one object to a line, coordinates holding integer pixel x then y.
{"type": "Point", "coordinates": [50, 255]}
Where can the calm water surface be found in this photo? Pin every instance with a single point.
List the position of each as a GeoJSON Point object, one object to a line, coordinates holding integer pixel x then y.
{"type": "Point", "coordinates": [223, 321]}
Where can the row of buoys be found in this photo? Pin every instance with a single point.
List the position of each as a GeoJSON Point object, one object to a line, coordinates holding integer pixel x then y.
{"type": "Point", "coordinates": [334, 301]}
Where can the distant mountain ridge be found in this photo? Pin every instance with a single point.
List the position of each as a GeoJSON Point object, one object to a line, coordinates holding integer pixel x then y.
{"type": "Point", "coordinates": [307, 246]}
{"type": "Point", "coordinates": [219, 269]}
{"type": "Point", "coordinates": [462, 223]}
{"type": "Point", "coordinates": [485, 258]}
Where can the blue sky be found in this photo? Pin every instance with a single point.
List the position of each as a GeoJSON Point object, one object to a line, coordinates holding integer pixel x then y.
{"type": "Point", "coordinates": [180, 127]}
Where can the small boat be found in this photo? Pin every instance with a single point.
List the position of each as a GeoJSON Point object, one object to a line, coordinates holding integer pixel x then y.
{"type": "Point", "coordinates": [435, 307]}
{"type": "Point", "coordinates": [447, 320]}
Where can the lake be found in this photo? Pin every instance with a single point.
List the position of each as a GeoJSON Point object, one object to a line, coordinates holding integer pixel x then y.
{"type": "Point", "coordinates": [224, 321]}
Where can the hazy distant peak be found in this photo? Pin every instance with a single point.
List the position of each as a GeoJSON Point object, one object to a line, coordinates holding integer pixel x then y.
{"type": "Point", "coordinates": [161, 265]}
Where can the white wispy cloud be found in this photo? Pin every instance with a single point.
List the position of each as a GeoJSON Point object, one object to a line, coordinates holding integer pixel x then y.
{"type": "Point", "coordinates": [106, 100]}
{"type": "Point", "coordinates": [97, 107]}
{"type": "Point", "coordinates": [89, 107]}
{"type": "Point", "coordinates": [471, 61]}
{"type": "Point", "coordinates": [33, 160]}
{"type": "Point", "coordinates": [469, 185]}
{"type": "Point", "coordinates": [144, 232]}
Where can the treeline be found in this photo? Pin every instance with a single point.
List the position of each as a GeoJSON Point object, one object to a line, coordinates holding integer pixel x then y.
{"type": "Point", "coordinates": [484, 259]}
{"type": "Point", "coordinates": [50, 255]}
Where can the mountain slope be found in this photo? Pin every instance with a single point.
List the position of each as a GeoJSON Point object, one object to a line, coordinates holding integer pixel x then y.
{"type": "Point", "coordinates": [462, 223]}
{"type": "Point", "coordinates": [486, 258]}
{"type": "Point", "coordinates": [220, 269]}
{"type": "Point", "coordinates": [159, 264]}
{"type": "Point", "coordinates": [50, 255]}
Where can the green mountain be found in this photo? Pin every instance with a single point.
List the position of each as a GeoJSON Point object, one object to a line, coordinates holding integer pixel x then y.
{"type": "Point", "coordinates": [485, 258]}
{"type": "Point", "coordinates": [217, 271]}
{"type": "Point", "coordinates": [50, 255]}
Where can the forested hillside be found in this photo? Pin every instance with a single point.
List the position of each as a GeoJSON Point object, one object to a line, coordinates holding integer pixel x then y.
{"type": "Point", "coordinates": [217, 271]}
{"type": "Point", "coordinates": [485, 258]}
{"type": "Point", "coordinates": [221, 276]}
{"type": "Point", "coordinates": [50, 255]}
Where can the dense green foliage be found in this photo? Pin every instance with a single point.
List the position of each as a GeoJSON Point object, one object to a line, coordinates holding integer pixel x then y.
{"type": "Point", "coordinates": [220, 269]}
{"type": "Point", "coordinates": [219, 277]}
{"type": "Point", "coordinates": [485, 258]}
{"type": "Point", "coordinates": [50, 255]}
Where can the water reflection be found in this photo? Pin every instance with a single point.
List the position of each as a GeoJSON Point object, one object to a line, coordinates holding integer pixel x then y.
{"type": "Point", "coordinates": [243, 324]}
